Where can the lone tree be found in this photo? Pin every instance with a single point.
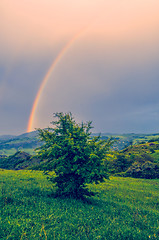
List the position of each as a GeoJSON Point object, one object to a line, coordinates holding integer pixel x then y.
{"type": "Point", "coordinates": [74, 156]}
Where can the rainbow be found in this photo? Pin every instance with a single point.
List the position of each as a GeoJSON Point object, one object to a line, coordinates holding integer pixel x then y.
{"type": "Point", "coordinates": [47, 76]}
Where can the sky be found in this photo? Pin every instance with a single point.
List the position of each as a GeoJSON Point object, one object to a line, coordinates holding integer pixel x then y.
{"type": "Point", "coordinates": [98, 59]}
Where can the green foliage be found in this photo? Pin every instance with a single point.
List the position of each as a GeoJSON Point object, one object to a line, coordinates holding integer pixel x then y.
{"type": "Point", "coordinates": [75, 157]}
{"type": "Point", "coordinates": [155, 155]}
{"type": "Point", "coordinates": [140, 161]}
{"type": "Point", "coordinates": [120, 163]}
{"type": "Point", "coordinates": [145, 169]}
{"type": "Point", "coordinates": [17, 161]}
{"type": "Point", "coordinates": [124, 208]}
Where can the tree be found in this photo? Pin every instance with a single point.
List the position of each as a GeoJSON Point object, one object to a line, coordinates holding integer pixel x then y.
{"type": "Point", "coordinates": [76, 158]}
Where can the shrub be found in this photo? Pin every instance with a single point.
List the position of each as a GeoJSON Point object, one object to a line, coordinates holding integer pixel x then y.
{"type": "Point", "coordinates": [75, 157]}
{"type": "Point", "coordinates": [147, 170]}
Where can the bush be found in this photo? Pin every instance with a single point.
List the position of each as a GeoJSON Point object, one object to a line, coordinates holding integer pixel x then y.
{"type": "Point", "coordinates": [121, 163]}
{"type": "Point", "coordinates": [75, 157]}
{"type": "Point", "coordinates": [147, 170]}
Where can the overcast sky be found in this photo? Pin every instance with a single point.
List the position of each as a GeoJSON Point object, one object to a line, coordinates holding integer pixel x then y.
{"type": "Point", "coordinates": [109, 73]}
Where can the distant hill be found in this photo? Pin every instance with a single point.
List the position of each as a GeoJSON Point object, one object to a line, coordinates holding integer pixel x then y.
{"type": "Point", "coordinates": [25, 142]}
{"type": "Point", "coordinates": [124, 140]}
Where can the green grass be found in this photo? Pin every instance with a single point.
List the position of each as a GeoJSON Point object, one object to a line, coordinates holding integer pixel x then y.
{"type": "Point", "coordinates": [123, 208]}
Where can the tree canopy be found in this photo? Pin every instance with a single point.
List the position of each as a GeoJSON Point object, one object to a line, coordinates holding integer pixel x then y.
{"type": "Point", "coordinates": [76, 158]}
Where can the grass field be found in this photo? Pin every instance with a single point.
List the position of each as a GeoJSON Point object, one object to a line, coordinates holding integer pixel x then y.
{"type": "Point", "coordinates": [123, 208]}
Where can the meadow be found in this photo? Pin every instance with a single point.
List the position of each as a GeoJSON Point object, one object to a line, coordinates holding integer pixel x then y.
{"type": "Point", "coordinates": [123, 208]}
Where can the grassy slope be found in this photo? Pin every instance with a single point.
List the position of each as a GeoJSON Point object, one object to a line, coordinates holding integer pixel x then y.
{"type": "Point", "coordinates": [124, 208]}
